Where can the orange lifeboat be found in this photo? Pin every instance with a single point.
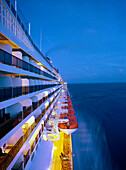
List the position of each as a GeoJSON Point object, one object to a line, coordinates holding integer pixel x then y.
{"type": "Point", "coordinates": [69, 127]}
{"type": "Point", "coordinates": [72, 125]}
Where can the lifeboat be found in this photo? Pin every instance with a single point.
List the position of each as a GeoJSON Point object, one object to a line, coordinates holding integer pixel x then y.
{"type": "Point", "coordinates": [68, 127]}
{"type": "Point", "coordinates": [72, 125]}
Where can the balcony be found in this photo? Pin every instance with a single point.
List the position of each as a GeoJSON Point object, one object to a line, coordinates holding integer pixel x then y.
{"type": "Point", "coordinates": [11, 92]}
{"type": "Point", "coordinates": [26, 111]}
{"type": "Point", "coordinates": [9, 59]}
{"type": "Point", "coordinates": [10, 124]}
{"type": "Point", "coordinates": [26, 157]}
{"type": "Point", "coordinates": [15, 24]}
{"type": "Point", "coordinates": [7, 159]}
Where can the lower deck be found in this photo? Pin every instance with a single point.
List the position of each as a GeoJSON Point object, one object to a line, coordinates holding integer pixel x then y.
{"type": "Point", "coordinates": [55, 155]}
{"type": "Point", "coordinates": [62, 155]}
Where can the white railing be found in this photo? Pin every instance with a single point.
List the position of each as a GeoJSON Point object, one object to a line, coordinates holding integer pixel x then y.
{"type": "Point", "coordinates": [8, 19]}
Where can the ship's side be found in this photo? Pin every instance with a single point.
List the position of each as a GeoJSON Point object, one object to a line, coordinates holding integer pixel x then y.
{"type": "Point", "coordinates": [30, 89]}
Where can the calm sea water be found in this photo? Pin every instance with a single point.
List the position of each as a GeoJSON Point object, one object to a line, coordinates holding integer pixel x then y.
{"type": "Point", "coordinates": [100, 141]}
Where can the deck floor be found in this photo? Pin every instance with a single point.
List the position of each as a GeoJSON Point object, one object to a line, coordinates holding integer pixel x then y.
{"type": "Point", "coordinates": [64, 145]}
{"type": "Point", "coordinates": [42, 158]}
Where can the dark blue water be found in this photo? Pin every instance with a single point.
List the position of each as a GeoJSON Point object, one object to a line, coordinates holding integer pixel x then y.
{"type": "Point", "coordinates": [100, 142]}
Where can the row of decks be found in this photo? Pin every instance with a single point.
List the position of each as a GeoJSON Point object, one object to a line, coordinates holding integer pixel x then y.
{"type": "Point", "coordinates": [15, 59]}
{"type": "Point", "coordinates": [14, 87]}
{"type": "Point", "coordinates": [10, 118]}
{"type": "Point", "coordinates": [16, 142]}
{"type": "Point", "coordinates": [12, 21]}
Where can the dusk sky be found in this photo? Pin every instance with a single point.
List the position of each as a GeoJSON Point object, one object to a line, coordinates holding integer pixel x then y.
{"type": "Point", "coordinates": [85, 39]}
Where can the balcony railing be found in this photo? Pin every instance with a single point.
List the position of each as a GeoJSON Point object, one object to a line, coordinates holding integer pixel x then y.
{"type": "Point", "coordinates": [32, 147]}
{"type": "Point", "coordinates": [10, 59]}
{"type": "Point", "coordinates": [10, 124]}
{"type": "Point", "coordinates": [27, 111]}
{"type": "Point", "coordinates": [35, 105]}
{"type": "Point", "coordinates": [11, 92]}
{"type": "Point", "coordinates": [26, 158]}
{"type": "Point", "coordinates": [20, 166]}
{"type": "Point", "coordinates": [5, 162]}
{"type": "Point", "coordinates": [11, 19]}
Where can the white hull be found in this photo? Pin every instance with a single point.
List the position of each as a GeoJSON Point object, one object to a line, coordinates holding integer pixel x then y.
{"type": "Point", "coordinates": [68, 131]}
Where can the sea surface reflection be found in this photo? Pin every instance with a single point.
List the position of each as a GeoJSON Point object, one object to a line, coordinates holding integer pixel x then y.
{"type": "Point", "coordinates": [100, 141]}
{"type": "Point", "coordinates": [90, 146]}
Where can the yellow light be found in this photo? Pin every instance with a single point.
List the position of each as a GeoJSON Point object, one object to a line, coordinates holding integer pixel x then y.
{"type": "Point", "coordinates": [43, 122]}
{"type": "Point", "coordinates": [55, 147]}
{"type": "Point", "coordinates": [46, 93]}
{"type": "Point", "coordinates": [51, 98]}
{"type": "Point", "coordinates": [31, 140]}
{"type": "Point", "coordinates": [44, 137]}
{"type": "Point", "coordinates": [46, 104]}
{"type": "Point", "coordinates": [29, 122]}
{"type": "Point", "coordinates": [39, 64]}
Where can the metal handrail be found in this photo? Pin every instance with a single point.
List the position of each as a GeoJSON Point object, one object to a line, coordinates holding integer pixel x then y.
{"type": "Point", "coordinates": [15, 14]}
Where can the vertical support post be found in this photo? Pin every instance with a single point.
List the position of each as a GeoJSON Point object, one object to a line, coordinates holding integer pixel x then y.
{"type": "Point", "coordinates": [41, 39]}
{"type": "Point", "coordinates": [29, 28]}
{"type": "Point", "coordinates": [15, 5]}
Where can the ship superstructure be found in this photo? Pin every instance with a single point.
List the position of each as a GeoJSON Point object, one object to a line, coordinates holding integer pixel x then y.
{"type": "Point", "coordinates": [30, 89]}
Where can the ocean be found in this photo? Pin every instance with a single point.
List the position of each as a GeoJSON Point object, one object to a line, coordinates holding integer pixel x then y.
{"type": "Point", "coordinates": [100, 141]}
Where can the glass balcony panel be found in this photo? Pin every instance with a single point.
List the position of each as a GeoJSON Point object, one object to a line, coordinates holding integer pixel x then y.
{"type": "Point", "coordinates": [26, 158]}
{"type": "Point", "coordinates": [25, 89]}
{"type": "Point", "coordinates": [8, 58]}
{"type": "Point", "coordinates": [10, 124]}
{"type": "Point", "coordinates": [25, 65]}
{"type": "Point", "coordinates": [35, 105]}
{"type": "Point", "coordinates": [26, 111]}
{"type": "Point", "coordinates": [2, 56]}
{"type": "Point", "coordinates": [17, 91]}
{"type": "Point", "coordinates": [31, 89]}
{"type": "Point", "coordinates": [8, 92]}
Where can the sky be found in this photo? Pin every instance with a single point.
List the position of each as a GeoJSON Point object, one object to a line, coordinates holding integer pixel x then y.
{"type": "Point", "coordinates": [84, 39]}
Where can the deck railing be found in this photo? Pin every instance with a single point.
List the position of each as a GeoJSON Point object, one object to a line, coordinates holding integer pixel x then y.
{"type": "Point", "coordinates": [26, 158]}
{"type": "Point", "coordinates": [27, 111]}
{"type": "Point", "coordinates": [12, 60]}
{"type": "Point", "coordinates": [11, 92]}
{"type": "Point", "coordinates": [10, 18]}
{"type": "Point", "coordinates": [5, 162]}
{"type": "Point", "coordinates": [10, 124]}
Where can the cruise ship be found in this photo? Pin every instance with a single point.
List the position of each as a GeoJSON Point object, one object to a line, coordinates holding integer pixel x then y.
{"type": "Point", "coordinates": [36, 112]}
